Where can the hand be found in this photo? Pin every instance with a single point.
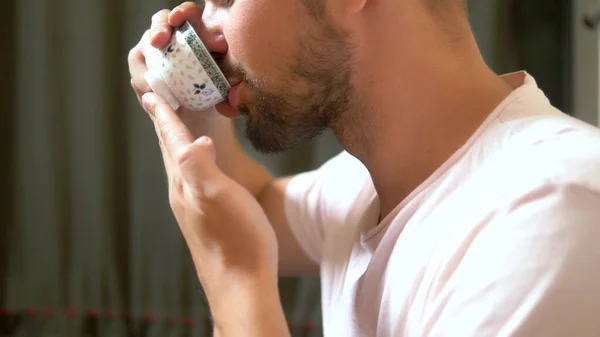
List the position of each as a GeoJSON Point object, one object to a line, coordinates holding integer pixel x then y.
{"type": "Point", "coordinates": [142, 56]}
{"type": "Point", "coordinates": [232, 159]}
{"type": "Point", "coordinates": [230, 239]}
{"type": "Point", "coordinates": [146, 54]}
{"type": "Point", "coordinates": [226, 230]}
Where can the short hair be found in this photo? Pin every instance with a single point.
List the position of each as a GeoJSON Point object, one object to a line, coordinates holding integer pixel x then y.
{"type": "Point", "coordinates": [446, 6]}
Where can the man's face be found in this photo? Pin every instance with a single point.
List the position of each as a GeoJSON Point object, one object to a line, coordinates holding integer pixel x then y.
{"type": "Point", "coordinates": [294, 63]}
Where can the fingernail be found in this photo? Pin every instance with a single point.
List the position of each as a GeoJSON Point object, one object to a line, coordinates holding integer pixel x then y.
{"type": "Point", "coordinates": [203, 139]}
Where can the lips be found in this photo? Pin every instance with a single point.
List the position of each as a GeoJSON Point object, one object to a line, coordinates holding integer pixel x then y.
{"type": "Point", "coordinates": [234, 81]}
{"type": "Point", "coordinates": [233, 96]}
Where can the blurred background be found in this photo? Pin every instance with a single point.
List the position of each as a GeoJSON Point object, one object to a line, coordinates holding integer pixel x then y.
{"type": "Point", "coordinates": [88, 245]}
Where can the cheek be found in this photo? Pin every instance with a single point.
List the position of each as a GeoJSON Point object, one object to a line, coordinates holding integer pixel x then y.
{"type": "Point", "coordinates": [262, 37]}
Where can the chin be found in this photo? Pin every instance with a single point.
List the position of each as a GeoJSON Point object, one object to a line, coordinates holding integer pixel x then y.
{"type": "Point", "coordinates": [272, 139]}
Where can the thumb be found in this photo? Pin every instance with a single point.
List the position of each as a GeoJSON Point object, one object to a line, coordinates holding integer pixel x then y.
{"type": "Point", "coordinates": [198, 164]}
{"type": "Point", "coordinates": [205, 147]}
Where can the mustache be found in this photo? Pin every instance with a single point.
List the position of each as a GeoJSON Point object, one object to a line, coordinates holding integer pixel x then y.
{"type": "Point", "coordinates": [232, 70]}
{"type": "Point", "coordinates": [236, 71]}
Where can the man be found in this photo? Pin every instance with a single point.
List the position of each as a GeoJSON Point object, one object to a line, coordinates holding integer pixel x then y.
{"type": "Point", "coordinates": [464, 204]}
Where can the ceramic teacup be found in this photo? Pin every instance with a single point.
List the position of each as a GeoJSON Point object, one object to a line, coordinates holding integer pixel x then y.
{"type": "Point", "coordinates": [186, 75]}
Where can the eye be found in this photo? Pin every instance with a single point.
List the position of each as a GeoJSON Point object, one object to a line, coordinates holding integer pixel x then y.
{"type": "Point", "coordinates": [224, 3]}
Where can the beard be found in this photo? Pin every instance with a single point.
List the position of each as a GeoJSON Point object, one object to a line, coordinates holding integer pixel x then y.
{"type": "Point", "coordinates": [315, 94]}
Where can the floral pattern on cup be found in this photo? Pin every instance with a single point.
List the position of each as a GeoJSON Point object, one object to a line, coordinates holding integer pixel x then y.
{"type": "Point", "coordinates": [191, 73]}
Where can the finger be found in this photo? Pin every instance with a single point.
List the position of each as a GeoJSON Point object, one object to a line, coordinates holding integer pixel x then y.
{"type": "Point", "coordinates": [172, 132]}
{"type": "Point", "coordinates": [137, 67]}
{"type": "Point", "coordinates": [189, 11]}
{"type": "Point", "coordinates": [138, 93]}
{"type": "Point", "coordinates": [160, 30]}
{"type": "Point", "coordinates": [163, 151]}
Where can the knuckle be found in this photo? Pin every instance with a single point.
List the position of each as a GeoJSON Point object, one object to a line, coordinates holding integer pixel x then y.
{"type": "Point", "coordinates": [145, 39]}
{"type": "Point", "coordinates": [135, 84]}
{"type": "Point", "coordinates": [173, 138]}
{"type": "Point", "coordinates": [189, 7]}
{"type": "Point", "coordinates": [163, 124]}
{"type": "Point", "coordinates": [165, 129]}
{"type": "Point", "coordinates": [133, 54]}
{"type": "Point", "coordinates": [134, 87]}
{"type": "Point", "coordinates": [174, 202]}
{"type": "Point", "coordinates": [183, 157]}
{"type": "Point", "coordinates": [141, 88]}
{"type": "Point", "coordinates": [177, 187]}
{"type": "Point", "coordinates": [182, 6]}
{"type": "Point", "coordinates": [207, 194]}
{"type": "Point", "coordinates": [160, 15]}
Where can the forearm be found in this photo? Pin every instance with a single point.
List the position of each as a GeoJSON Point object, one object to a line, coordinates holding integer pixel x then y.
{"type": "Point", "coordinates": [243, 298]}
{"type": "Point", "coordinates": [247, 308]}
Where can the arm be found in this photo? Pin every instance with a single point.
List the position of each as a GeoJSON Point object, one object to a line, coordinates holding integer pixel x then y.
{"type": "Point", "coordinates": [251, 309]}
{"type": "Point", "coordinates": [230, 239]}
{"type": "Point", "coordinates": [230, 211]}
{"type": "Point", "coordinates": [292, 259]}
{"type": "Point", "coordinates": [230, 157]}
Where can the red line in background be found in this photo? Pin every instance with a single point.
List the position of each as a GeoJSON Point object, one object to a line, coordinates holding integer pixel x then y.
{"type": "Point", "coordinates": [148, 318]}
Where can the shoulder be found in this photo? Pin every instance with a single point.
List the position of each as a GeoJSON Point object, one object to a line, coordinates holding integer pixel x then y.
{"type": "Point", "coordinates": [535, 251]}
{"type": "Point", "coordinates": [340, 175]}
{"type": "Point", "coordinates": [334, 186]}
{"type": "Point", "coordinates": [546, 146]}
{"type": "Point", "coordinates": [536, 261]}
{"type": "Point", "coordinates": [548, 211]}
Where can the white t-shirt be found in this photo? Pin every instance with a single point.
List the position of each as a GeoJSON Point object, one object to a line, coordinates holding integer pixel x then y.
{"type": "Point", "coordinates": [502, 240]}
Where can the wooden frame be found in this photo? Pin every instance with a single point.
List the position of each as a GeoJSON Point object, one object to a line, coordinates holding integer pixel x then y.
{"type": "Point", "coordinates": [586, 60]}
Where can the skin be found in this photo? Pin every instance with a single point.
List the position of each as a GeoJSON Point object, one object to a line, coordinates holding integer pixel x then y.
{"type": "Point", "coordinates": [402, 103]}
{"type": "Point", "coordinates": [289, 103]}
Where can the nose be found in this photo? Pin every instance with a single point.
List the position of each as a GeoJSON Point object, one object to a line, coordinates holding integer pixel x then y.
{"type": "Point", "coordinates": [210, 31]}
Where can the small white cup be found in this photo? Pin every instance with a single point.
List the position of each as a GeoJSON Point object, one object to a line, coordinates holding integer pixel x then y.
{"type": "Point", "coordinates": [186, 74]}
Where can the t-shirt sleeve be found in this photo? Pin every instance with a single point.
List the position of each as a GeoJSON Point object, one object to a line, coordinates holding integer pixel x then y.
{"type": "Point", "coordinates": [534, 270]}
{"type": "Point", "coordinates": [319, 200]}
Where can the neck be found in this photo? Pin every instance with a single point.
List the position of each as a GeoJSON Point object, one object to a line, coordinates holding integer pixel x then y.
{"type": "Point", "coordinates": [416, 112]}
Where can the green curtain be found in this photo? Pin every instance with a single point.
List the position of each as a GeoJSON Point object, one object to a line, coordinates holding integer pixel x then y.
{"type": "Point", "coordinates": [91, 246]}
{"type": "Point", "coordinates": [88, 245]}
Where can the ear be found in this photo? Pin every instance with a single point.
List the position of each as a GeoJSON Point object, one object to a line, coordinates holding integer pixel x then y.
{"type": "Point", "coordinates": [356, 6]}
{"type": "Point", "coordinates": [342, 10]}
